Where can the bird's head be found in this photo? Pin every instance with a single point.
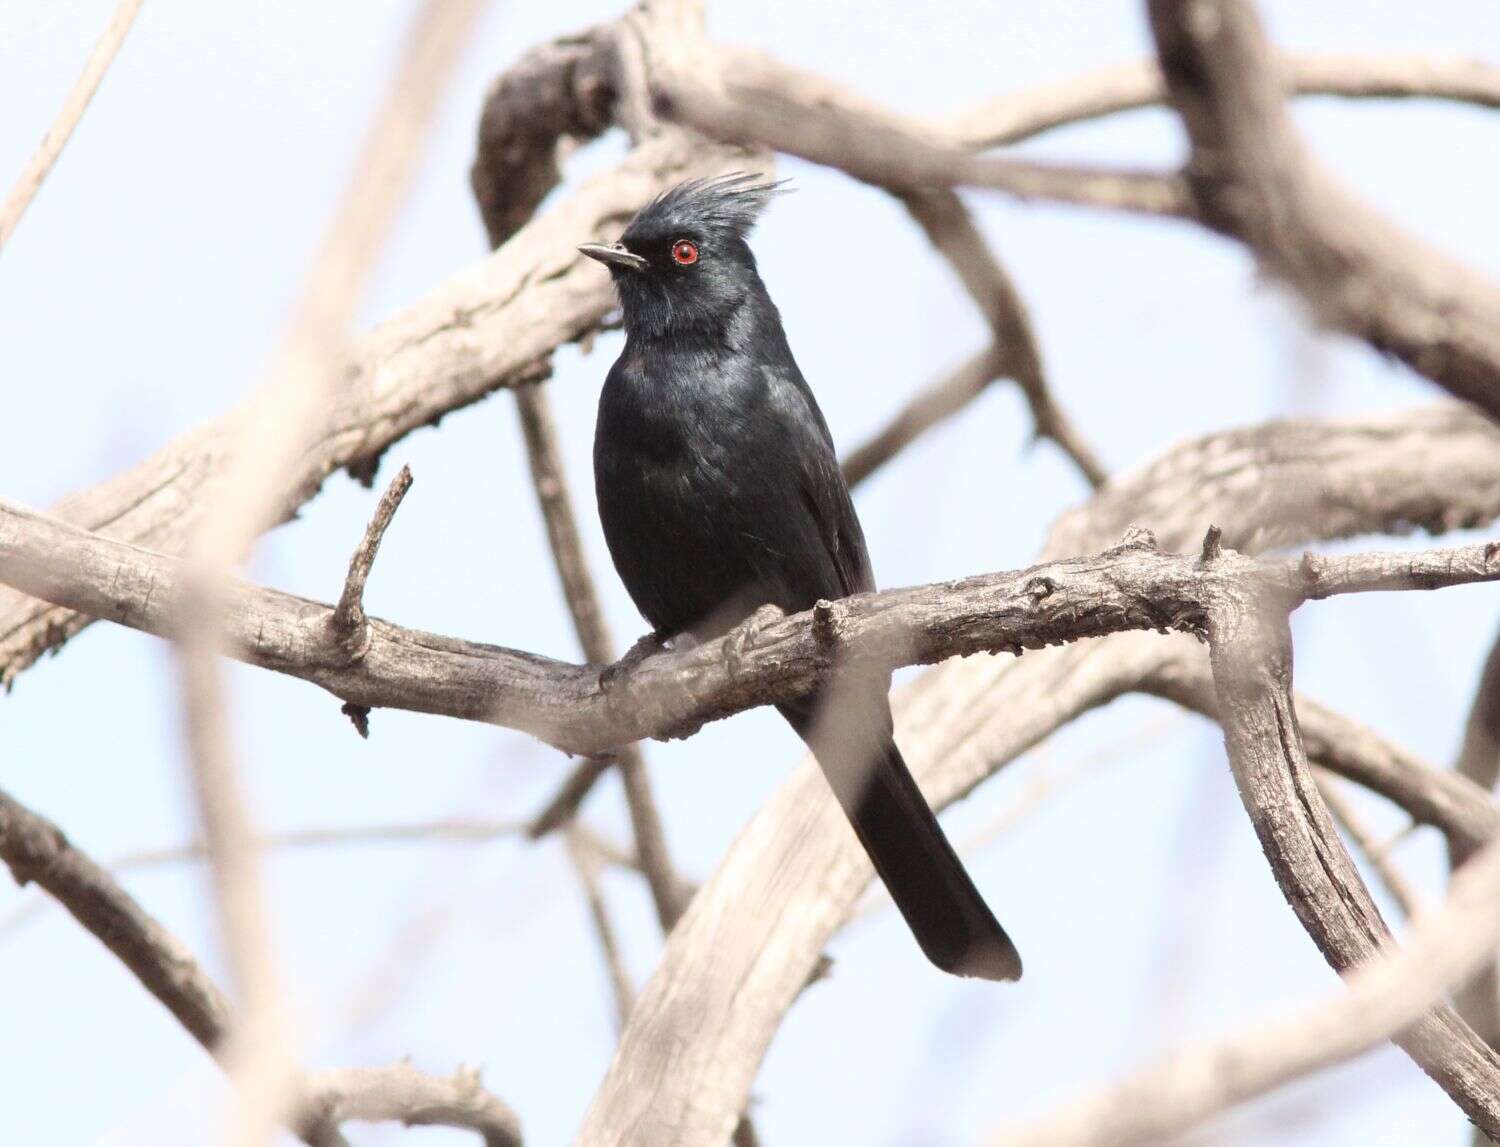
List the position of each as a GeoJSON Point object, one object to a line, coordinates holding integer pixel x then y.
{"type": "Point", "coordinates": [683, 265]}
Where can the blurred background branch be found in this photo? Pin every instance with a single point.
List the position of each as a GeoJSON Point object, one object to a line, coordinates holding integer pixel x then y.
{"type": "Point", "coordinates": [152, 548]}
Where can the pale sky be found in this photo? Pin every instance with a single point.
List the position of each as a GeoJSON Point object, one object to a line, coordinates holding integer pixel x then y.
{"type": "Point", "coordinates": [142, 294]}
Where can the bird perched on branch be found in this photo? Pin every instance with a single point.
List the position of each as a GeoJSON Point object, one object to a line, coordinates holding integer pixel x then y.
{"type": "Point", "coordinates": [720, 494]}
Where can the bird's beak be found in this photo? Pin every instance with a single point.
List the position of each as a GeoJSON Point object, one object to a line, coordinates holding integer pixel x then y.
{"type": "Point", "coordinates": [613, 255]}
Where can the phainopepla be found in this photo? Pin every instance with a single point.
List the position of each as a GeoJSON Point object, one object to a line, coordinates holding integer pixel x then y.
{"type": "Point", "coordinates": [720, 493]}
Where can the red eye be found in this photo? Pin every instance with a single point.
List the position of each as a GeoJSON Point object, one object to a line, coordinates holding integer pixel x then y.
{"type": "Point", "coordinates": [684, 252]}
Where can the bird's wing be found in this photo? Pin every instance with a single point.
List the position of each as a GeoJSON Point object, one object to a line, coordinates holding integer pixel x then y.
{"type": "Point", "coordinates": [823, 493]}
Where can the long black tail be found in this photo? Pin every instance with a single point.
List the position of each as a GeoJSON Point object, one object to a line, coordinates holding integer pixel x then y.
{"type": "Point", "coordinates": [923, 874]}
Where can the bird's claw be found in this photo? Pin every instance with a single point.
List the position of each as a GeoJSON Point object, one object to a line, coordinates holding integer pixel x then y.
{"type": "Point", "coordinates": [744, 635]}
{"type": "Point", "coordinates": [643, 648]}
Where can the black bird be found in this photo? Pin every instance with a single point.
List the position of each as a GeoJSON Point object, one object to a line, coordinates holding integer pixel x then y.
{"type": "Point", "coordinates": [720, 493]}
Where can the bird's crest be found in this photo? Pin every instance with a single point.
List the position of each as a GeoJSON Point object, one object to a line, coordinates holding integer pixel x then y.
{"type": "Point", "coordinates": [729, 203]}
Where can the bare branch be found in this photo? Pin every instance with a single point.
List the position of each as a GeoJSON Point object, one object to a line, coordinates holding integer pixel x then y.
{"type": "Point", "coordinates": [937, 403]}
{"type": "Point", "coordinates": [258, 1056]}
{"type": "Point", "coordinates": [1479, 758]}
{"type": "Point", "coordinates": [1251, 178]}
{"type": "Point", "coordinates": [30, 180]}
{"type": "Point", "coordinates": [36, 850]}
{"type": "Point", "coordinates": [1020, 115]}
{"type": "Point", "coordinates": [1251, 654]}
{"type": "Point", "coordinates": [881, 149]}
{"type": "Point", "coordinates": [349, 615]}
{"type": "Point", "coordinates": [1384, 996]}
{"type": "Point", "coordinates": [556, 96]}
{"type": "Point", "coordinates": [544, 453]}
{"type": "Point", "coordinates": [587, 862]}
{"type": "Point", "coordinates": [401, 1094]}
{"type": "Point", "coordinates": [1478, 1001]}
{"type": "Point", "coordinates": [569, 798]}
{"type": "Point", "coordinates": [572, 707]}
{"type": "Point", "coordinates": [951, 229]}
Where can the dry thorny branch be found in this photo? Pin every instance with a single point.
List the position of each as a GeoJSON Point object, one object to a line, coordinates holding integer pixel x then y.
{"type": "Point", "coordinates": [152, 550]}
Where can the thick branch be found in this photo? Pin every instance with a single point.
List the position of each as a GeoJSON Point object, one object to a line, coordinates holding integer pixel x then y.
{"type": "Point", "coordinates": [1252, 658]}
{"type": "Point", "coordinates": [1130, 587]}
{"type": "Point", "coordinates": [554, 97]}
{"type": "Point", "coordinates": [1251, 179]}
{"type": "Point", "coordinates": [1383, 998]}
{"type": "Point", "coordinates": [471, 336]}
{"type": "Point", "coordinates": [1352, 825]}
{"type": "Point", "coordinates": [1478, 1001]}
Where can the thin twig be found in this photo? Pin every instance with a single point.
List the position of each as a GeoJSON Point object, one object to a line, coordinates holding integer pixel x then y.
{"type": "Point", "coordinates": [951, 229]}
{"type": "Point", "coordinates": [586, 862]}
{"type": "Point", "coordinates": [349, 614]}
{"type": "Point", "coordinates": [928, 407]}
{"type": "Point", "coordinates": [570, 796]}
{"type": "Point", "coordinates": [61, 131]}
{"type": "Point", "coordinates": [258, 1058]}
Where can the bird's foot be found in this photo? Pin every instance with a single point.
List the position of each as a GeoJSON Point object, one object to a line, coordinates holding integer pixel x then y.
{"type": "Point", "coordinates": [644, 647]}
{"type": "Point", "coordinates": [744, 635]}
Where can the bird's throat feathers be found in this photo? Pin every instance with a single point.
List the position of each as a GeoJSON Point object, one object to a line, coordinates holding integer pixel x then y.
{"type": "Point", "coordinates": [712, 321]}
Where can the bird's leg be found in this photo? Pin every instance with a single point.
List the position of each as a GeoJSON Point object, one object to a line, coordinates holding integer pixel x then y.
{"type": "Point", "coordinates": [743, 635]}
{"type": "Point", "coordinates": [644, 647]}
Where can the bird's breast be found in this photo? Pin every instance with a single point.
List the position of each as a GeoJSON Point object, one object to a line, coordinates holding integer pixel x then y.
{"type": "Point", "coordinates": [678, 414]}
